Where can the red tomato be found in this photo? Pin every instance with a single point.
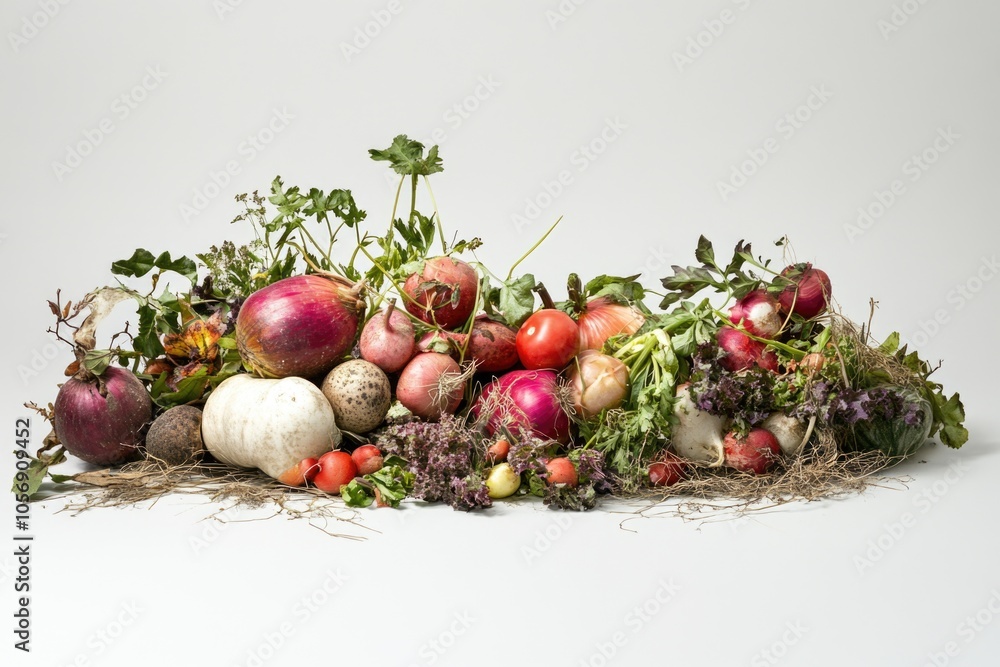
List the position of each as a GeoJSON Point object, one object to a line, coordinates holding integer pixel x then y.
{"type": "Point", "coordinates": [547, 339]}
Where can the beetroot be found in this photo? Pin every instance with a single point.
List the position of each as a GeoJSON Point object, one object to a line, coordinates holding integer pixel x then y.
{"type": "Point", "coordinates": [102, 421]}
{"type": "Point", "coordinates": [493, 346]}
{"type": "Point", "coordinates": [443, 293]}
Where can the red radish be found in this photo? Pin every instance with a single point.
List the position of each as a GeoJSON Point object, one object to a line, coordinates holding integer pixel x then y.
{"type": "Point", "coordinates": [310, 468]}
{"type": "Point", "coordinates": [760, 314]}
{"type": "Point", "coordinates": [299, 326]}
{"type": "Point", "coordinates": [756, 453]}
{"type": "Point", "coordinates": [387, 339]}
{"type": "Point", "coordinates": [443, 292]}
{"type": "Point", "coordinates": [431, 385]}
{"type": "Point", "coordinates": [597, 382]}
{"type": "Point", "coordinates": [336, 469]}
{"type": "Point", "coordinates": [602, 318]}
{"type": "Point", "coordinates": [101, 420]}
{"type": "Point", "coordinates": [561, 471]}
{"type": "Point", "coordinates": [493, 346]}
{"type": "Point", "coordinates": [498, 451]}
{"type": "Point", "coordinates": [810, 293]}
{"type": "Point", "coordinates": [743, 352]}
{"type": "Point", "coordinates": [304, 472]}
{"type": "Point", "coordinates": [531, 399]}
{"type": "Point", "coordinates": [368, 458]}
{"type": "Point", "coordinates": [669, 470]}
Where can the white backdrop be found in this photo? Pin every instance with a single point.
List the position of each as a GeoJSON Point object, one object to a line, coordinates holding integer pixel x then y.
{"type": "Point", "coordinates": [866, 131]}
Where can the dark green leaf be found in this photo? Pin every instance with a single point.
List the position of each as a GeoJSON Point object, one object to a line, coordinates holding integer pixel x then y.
{"type": "Point", "coordinates": [406, 156]}
{"type": "Point", "coordinates": [142, 262]}
{"type": "Point", "coordinates": [705, 253]}
{"type": "Point", "coordinates": [182, 265]}
{"type": "Point", "coordinates": [139, 264]}
{"type": "Point", "coordinates": [517, 300]}
{"type": "Point", "coordinates": [188, 390]}
{"type": "Point", "coordinates": [691, 280]}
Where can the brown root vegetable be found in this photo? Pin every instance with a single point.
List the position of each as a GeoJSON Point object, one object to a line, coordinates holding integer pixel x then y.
{"type": "Point", "coordinates": [175, 436]}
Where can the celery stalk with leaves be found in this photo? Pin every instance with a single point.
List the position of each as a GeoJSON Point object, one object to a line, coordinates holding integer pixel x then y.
{"type": "Point", "coordinates": [632, 434]}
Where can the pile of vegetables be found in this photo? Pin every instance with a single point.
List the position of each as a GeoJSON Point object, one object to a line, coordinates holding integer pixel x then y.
{"type": "Point", "coordinates": [403, 367]}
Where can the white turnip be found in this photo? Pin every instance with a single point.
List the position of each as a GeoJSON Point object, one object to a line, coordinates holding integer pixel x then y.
{"type": "Point", "coordinates": [789, 431]}
{"type": "Point", "coordinates": [698, 435]}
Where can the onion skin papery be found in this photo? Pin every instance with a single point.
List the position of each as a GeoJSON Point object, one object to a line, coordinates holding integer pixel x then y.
{"type": "Point", "coordinates": [759, 313]}
{"type": "Point", "coordinates": [531, 399]}
{"type": "Point", "coordinates": [603, 318]}
{"type": "Point", "coordinates": [103, 430]}
{"type": "Point", "coordinates": [597, 382]}
{"type": "Point", "coordinates": [299, 326]}
{"type": "Point", "coordinates": [811, 293]}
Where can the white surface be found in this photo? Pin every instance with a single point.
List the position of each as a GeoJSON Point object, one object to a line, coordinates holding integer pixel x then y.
{"type": "Point", "coordinates": [545, 92]}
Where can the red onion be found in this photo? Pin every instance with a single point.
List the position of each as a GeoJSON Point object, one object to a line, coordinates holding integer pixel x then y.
{"type": "Point", "coordinates": [299, 326]}
{"type": "Point", "coordinates": [759, 312]}
{"type": "Point", "coordinates": [743, 352]}
{"type": "Point", "coordinates": [809, 295]}
{"type": "Point", "coordinates": [532, 399]}
{"type": "Point", "coordinates": [602, 318]}
{"type": "Point", "coordinates": [101, 420]}
{"type": "Point", "coordinates": [443, 293]}
{"type": "Point", "coordinates": [597, 382]}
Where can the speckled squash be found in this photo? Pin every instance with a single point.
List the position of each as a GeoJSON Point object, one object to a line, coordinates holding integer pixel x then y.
{"type": "Point", "coordinates": [268, 424]}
